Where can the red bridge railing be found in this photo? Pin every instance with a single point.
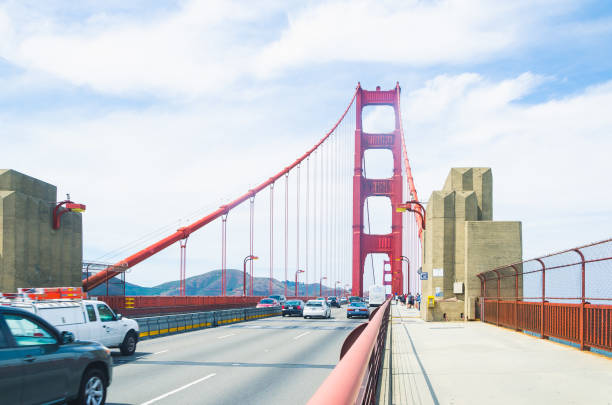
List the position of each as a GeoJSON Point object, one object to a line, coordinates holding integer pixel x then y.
{"type": "Point", "coordinates": [565, 295]}
{"type": "Point", "coordinates": [354, 379]}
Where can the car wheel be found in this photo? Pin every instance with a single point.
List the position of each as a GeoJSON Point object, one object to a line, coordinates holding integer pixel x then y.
{"type": "Point", "coordinates": [93, 388]}
{"type": "Point", "coordinates": [348, 316]}
{"type": "Point", "coordinates": [128, 347]}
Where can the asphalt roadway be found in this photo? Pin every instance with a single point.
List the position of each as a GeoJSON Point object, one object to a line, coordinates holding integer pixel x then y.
{"type": "Point", "coordinates": [269, 361]}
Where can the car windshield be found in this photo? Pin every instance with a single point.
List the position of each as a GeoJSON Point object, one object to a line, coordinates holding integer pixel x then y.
{"type": "Point", "coordinates": [314, 304]}
{"type": "Point", "coordinates": [266, 301]}
{"type": "Point", "coordinates": [358, 304]}
{"type": "Point", "coordinates": [276, 297]}
{"type": "Point", "coordinates": [293, 302]}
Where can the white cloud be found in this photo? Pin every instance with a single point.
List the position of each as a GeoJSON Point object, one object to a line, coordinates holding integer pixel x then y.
{"type": "Point", "coordinates": [548, 158]}
{"type": "Point", "coordinates": [193, 50]}
{"type": "Point", "coordinates": [206, 47]}
{"type": "Point", "coordinates": [413, 32]}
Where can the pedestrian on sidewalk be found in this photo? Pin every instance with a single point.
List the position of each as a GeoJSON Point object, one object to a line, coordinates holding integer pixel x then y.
{"type": "Point", "coordinates": [418, 301]}
{"type": "Point", "coordinates": [410, 301]}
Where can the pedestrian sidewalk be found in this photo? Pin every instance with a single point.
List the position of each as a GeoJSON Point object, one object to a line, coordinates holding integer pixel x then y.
{"type": "Point", "coordinates": [478, 363]}
{"type": "Point", "coordinates": [409, 384]}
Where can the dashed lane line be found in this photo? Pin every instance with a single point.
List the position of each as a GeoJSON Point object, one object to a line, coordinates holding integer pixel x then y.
{"type": "Point", "coordinates": [301, 335]}
{"type": "Point", "coordinates": [225, 336]}
{"type": "Point", "coordinates": [167, 394]}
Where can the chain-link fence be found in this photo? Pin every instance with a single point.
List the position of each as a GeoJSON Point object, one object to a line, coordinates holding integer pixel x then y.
{"type": "Point", "coordinates": [565, 295]}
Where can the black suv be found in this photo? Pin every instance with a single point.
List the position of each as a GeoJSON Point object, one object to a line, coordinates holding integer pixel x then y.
{"type": "Point", "coordinates": [333, 302]}
{"type": "Point", "coordinates": [38, 364]}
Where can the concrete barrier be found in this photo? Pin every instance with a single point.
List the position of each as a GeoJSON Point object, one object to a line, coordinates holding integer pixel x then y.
{"type": "Point", "coordinates": [170, 324]}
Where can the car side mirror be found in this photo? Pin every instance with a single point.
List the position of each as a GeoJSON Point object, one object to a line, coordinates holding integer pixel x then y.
{"type": "Point", "coordinates": [67, 337]}
{"type": "Point", "coordinates": [119, 317]}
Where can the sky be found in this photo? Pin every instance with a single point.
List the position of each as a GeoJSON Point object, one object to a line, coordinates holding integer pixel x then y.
{"type": "Point", "coordinates": [155, 113]}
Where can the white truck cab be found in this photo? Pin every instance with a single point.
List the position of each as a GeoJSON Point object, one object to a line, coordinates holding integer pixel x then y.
{"type": "Point", "coordinates": [88, 320]}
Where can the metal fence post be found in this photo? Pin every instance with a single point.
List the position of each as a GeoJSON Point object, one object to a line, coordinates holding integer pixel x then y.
{"type": "Point", "coordinates": [542, 317]}
{"type": "Point", "coordinates": [497, 299]}
{"type": "Point", "coordinates": [515, 297]}
{"type": "Point", "coordinates": [582, 296]}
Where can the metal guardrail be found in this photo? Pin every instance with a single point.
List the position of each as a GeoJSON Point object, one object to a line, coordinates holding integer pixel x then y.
{"type": "Point", "coordinates": [166, 324]}
{"type": "Point", "coordinates": [565, 295]}
{"type": "Point", "coordinates": [354, 380]}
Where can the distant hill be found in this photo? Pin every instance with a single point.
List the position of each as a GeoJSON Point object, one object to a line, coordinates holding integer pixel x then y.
{"type": "Point", "coordinates": [210, 284]}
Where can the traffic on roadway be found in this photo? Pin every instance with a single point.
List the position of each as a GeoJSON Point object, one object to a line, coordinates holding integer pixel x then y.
{"type": "Point", "coordinates": [280, 360]}
{"type": "Point", "coordinates": [46, 345]}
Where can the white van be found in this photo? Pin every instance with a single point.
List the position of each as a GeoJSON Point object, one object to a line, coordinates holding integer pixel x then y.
{"type": "Point", "coordinates": [377, 295]}
{"type": "Point", "coordinates": [88, 320]}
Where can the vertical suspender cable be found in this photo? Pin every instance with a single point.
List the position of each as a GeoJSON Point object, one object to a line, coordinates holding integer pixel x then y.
{"type": "Point", "coordinates": [297, 223]}
{"type": "Point", "coordinates": [223, 253]}
{"type": "Point", "coordinates": [251, 231]}
{"type": "Point", "coordinates": [323, 214]}
{"type": "Point", "coordinates": [335, 218]}
{"type": "Point", "coordinates": [306, 253]}
{"type": "Point", "coordinates": [271, 238]}
{"type": "Point", "coordinates": [286, 228]}
{"type": "Point", "coordinates": [183, 245]}
{"type": "Point", "coordinates": [314, 213]}
{"type": "Point", "coordinates": [322, 210]}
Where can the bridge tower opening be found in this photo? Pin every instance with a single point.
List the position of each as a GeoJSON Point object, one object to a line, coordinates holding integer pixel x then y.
{"type": "Point", "coordinates": [363, 243]}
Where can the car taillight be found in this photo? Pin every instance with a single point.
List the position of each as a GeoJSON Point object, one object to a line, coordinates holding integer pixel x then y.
{"type": "Point", "coordinates": [299, 307]}
{"type": "Point", "coordinates": [283, 307]}
{"type": "Point", "coordinates": [350, 309]}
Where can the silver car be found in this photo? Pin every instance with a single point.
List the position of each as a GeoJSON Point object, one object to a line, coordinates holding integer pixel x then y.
{"type": "Point", "coordinates": [317, 308]}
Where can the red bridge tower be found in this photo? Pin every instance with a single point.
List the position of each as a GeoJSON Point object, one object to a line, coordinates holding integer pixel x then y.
{"type": "Point", "coordinates": [390, 244]}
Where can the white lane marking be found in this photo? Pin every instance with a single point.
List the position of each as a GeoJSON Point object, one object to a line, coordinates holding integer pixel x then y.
{"type": "Point", "coordinates": [299, 336]}
{"type": "Point", "coordinates": [160, 352]}
{"type": "Point", "coordinates": [167, 394]}
{"type": "Point", "coordinates": [224, 336]}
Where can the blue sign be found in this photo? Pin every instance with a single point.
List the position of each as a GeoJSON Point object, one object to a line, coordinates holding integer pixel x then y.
{"type": "Point", "coordinates": [424, 276]}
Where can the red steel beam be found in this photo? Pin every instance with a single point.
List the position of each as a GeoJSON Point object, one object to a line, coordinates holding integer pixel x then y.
{"type": "Point", "coordinates": [101, 277]}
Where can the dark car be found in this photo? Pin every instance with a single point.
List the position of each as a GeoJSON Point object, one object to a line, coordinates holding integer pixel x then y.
{"type": "Point", "coordinates": [294, 307]}
{"type": "Point", "coordinates": [357, 308]}
{"type": "Point", "coordinates": [38, 364]}
{"type": "Point", "coordinates": [333, 302]}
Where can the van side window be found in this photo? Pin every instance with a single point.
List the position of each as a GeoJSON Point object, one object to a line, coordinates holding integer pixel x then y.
{"type": "Point", "coordinates": [106, 315]}
{"type": "Point", "coordinates": [91, 313]}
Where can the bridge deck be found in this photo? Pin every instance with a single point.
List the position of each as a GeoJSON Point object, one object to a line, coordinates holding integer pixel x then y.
{"type": "Point", "coordinates": [478, 363]}
{"type": "Point", "coordinates": [269, 361]}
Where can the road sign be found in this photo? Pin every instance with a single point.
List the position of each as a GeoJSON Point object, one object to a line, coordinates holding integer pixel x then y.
{"type": "Point", "coordinates": [424, 276]}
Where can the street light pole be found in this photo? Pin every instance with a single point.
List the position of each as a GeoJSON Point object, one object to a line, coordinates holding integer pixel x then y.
{"type": "Point", "coordinates": [407, 206]}
{"type": "Point", "coordinates": [246, 259]}
{"type": "Point", "coordinates": [296, 281]}
{"type": "Point", "coordinates": [321, 286]}
{"type": "Point", "coordinates": [405, 259]}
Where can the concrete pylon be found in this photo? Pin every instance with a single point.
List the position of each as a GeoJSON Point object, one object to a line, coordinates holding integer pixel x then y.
{"type": "Point", "coordinates": [32, 253]}
{"type": "Point", "coordinates": [462, 240]}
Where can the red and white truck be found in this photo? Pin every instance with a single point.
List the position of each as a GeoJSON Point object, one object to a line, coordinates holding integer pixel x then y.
{"type": "Point", "coordinates": [88, 320]}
